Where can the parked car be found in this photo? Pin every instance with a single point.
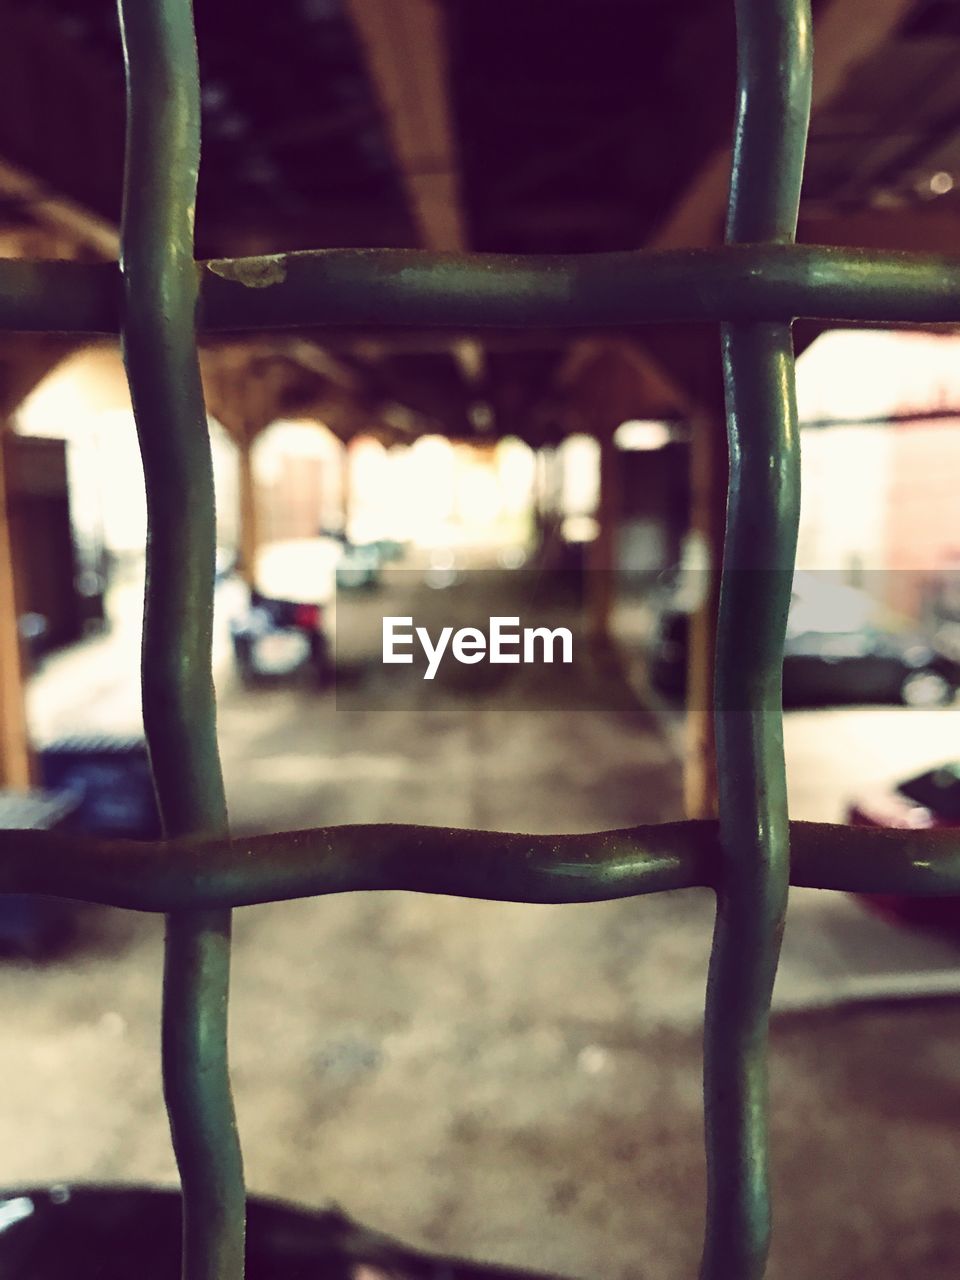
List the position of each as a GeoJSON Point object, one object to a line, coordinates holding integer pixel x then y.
{"type": "Point", "coordinates": [91, 1232]}
{"type": "Point", "coordinates": [836, 650]}
{"type": "Point", "coordinates": [929, 800]}
{"type": "Point", "coordinates": [358, 564]}
{"type": "Point", "coordinates": [288, 620]}
{"type": "Point", "coordinates": [34, 924]}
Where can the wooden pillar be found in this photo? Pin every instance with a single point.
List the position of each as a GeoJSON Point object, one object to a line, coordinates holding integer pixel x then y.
{"type": "Point", "coordinates": [346, 485]}
{"type": "Point", "coordinates": [602, 557]}
{"type": "Point", "coordinates": [708, 503]}
{"type": "Point", "coordinates": [16, 764]}
{"type": "Point", "coordinates": [540, 492]}
{"type": "Point", "coordinates": [546, 495]}
{"type": "Point", "coordinates": [248, 527]}
{"type": "Point", "coordinates": [24, 362]}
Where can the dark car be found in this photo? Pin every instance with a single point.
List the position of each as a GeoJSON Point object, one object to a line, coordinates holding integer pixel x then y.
{"type": "Point", "coordinates": [929, 800]}
{"type": "Point", "coordinates": [358, 564]}
{"type": "Point", "coordinates": [113, 1233]}
{"type": "Point", "coordinates": [835, 651]}
{"type": "Point", "coordinates": [289, 618]}
{"type": "Point", "coordinates": [277, 637]}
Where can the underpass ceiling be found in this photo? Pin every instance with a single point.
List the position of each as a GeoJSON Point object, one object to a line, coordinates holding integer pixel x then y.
{"type": "Point", "coordinates": [579, 126]}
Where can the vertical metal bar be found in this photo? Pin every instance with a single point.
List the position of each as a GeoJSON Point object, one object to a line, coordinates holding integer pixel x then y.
{"type": "Point", "coordinates": [774, 83]}
{"type": "Point", "coordinates": [159, 342]}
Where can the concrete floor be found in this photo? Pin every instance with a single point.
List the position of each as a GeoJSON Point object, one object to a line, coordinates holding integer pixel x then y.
{"type": "Point", "coordinates": [520, 1084]}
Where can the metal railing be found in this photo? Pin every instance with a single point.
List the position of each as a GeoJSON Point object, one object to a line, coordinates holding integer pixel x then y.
{"type": "Point", "coordinates": [158, 297]}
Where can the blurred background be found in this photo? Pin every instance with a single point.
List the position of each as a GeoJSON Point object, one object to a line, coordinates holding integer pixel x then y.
{"type": "Point", "coordinates": [518, 1084]}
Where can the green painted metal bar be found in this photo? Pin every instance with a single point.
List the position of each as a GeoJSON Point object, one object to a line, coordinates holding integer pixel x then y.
{"type": "Point", "coordinates": [775, 72]}
{"type": "Point", "coordinates": [186, 874]}
{"type": "Point", "coordinates": [159, 344]}
{"type": "Point", "coordinates": [158, 298]}
{"type": "Point", "coordinates": [402, 289]}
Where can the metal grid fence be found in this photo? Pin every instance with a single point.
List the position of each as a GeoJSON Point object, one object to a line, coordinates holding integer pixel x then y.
{"type": "Point", "coordinates": [158, 298]}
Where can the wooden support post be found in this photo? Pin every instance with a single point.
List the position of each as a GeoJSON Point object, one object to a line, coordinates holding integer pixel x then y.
{"type": "Point", "coordinates": [23, 364]}
{"type": "Point", "coordinates": [346, 486]}
{"type": "Point", "coordinates": [539, 514]}
{"type": "Point", "coordinates": [16, 765]}
{"type": "Point", "coordinates": [545, 497]}
{"type": "Point", "coordinates": [708, 503]}
{"type": "Point", "coordinates": [248, 530]}
{"type": "Point", "coordinates": [602, 558]}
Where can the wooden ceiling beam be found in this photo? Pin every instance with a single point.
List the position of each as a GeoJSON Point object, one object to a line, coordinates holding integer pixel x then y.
{"type": "Point", "coordinates": [645, 389]}
{"type": "Point", "coordinates": [53, 213]}
{"type": "Point", "coordinates": [927, 228]}
{"type": "Point", "coordinates": [250, 387]}
{"type": "Point", "coordinates": [846, 34]}
{"type": "Point", "coordinates": [407, 54]}
{"type": "Point", "coordinates": [71, 139]}
{"type": "Point", "coordinates": [61, 124]}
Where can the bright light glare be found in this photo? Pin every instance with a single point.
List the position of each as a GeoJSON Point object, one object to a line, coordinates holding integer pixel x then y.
{"type": "Point", "coordinates": [579, 529]}
{"type": "Point", "coordinates": [637, 436]}
{"type": "Point", "coordinates": [941, 183]}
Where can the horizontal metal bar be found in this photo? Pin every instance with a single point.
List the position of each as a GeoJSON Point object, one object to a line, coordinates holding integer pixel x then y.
{"type": "Point", "coordinates": [169, 875]}
{"type": "Point", "coordinates": [393, 288]}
